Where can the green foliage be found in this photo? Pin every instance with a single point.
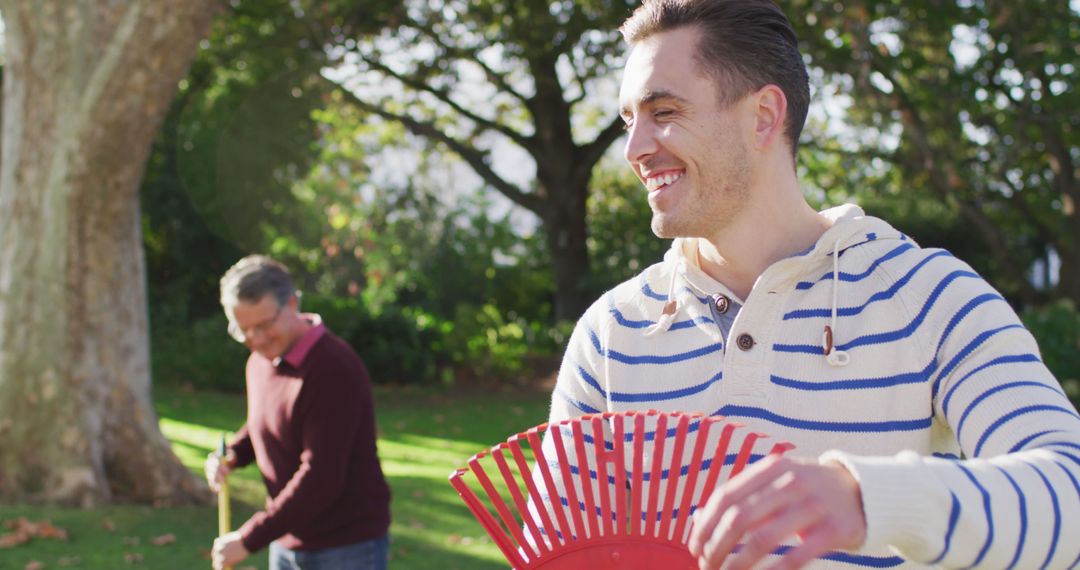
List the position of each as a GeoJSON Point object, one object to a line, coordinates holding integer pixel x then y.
{"type": "Point", "coordinates": [199, 354]}
{"type": "Point", "coordinates": [969, 106]}
{"type": "Point", "coordinates": [395, 345]}
{"type": "Point", "coordinates": [1057, 328]}
{"type": "Point", "coordinates": [621, 241]}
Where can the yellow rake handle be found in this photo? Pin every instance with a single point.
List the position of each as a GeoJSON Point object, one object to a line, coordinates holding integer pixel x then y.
{"type": "Point", "coordinates": [224, 517]}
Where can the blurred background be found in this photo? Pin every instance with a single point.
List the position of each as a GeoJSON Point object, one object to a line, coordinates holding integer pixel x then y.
{"type": "Point", "coordinates": [444, 178]}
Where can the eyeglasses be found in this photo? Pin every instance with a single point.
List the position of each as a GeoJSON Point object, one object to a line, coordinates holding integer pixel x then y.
{"type": "Point", "coordinates": [241, 335]}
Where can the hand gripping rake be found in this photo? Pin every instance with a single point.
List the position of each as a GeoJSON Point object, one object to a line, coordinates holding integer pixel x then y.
{"type": "Point", "coordinates": [605, 490]}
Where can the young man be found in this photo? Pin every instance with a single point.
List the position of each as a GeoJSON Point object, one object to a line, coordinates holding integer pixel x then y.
{"type": "Point", "coordinates": [310, 429]}
{"type": "Point", "coordinates": [927, 429]}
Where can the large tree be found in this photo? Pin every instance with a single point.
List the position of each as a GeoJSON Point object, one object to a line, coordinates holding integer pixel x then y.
{"type": "Point", "coordinates": [478, 77]}
{"type": "Point", "coordinates": [86, 84]}
{"type": "Point", "coordinates": [974, 104]}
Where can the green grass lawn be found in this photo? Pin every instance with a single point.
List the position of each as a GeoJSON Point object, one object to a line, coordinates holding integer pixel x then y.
{"type": "Point", "coordinates": [424, 433]}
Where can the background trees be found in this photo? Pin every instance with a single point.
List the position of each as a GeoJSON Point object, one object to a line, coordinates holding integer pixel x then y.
{"type": "Point", "coordinates": [963, 125]}
{"type": "Point", "coordinates": [376, 146]}
{"type": "Point", "coordinates": [476, 76]}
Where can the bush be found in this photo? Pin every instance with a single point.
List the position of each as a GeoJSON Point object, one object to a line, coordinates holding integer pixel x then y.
{"type": "Point", "coordinates": [395, 344]}
{"type": "Point", "coordinates": [200, 354]}
{"type": "Point", "coordinates": [1057, 328]}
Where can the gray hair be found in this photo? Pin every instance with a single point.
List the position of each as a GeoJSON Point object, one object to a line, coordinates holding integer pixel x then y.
{"type": "Point", "coordinates": [254, 277]}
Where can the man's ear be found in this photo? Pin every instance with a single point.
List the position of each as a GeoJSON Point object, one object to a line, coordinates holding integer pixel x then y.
{"type": "Point", "coordinates": [770, 116]}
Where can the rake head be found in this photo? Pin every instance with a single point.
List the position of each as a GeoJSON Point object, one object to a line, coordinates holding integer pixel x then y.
{"type": "Point", "coordinates": [604, 490]}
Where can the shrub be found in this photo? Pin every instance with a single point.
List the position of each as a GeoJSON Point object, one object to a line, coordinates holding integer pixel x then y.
{"type": "Point", "coordinates": [200, 354]}
{"type": "Point", "coordinates": [1057, 328]}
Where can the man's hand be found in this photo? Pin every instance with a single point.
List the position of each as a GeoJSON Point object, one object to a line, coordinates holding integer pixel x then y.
{"type": "Point", "coordinates": [228, 550]}
{"type": "Point", "coordinates": [819, 505]}
{"type": "Point", "coordinates": [217, 467]}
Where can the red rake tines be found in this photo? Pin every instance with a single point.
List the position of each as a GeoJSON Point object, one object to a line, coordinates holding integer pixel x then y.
{"type": "Point", "coordinates": [605, 490]}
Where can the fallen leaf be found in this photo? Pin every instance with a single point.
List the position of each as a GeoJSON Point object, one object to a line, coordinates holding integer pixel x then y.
{"type": "Point", "coordinates": [453, 539]}
{"type": "Point", "coordinates": [69, 561]}
{"type": "Point", "coordinates": [13, 539]}
{"type": "Point", "coordinates": [130, 540]}
{"type": "Point", "coordinates": [163, 539]}
{"type": "Point", "coordinates": [33, 565]}
{"type": "Point", "coordinates": [108, 525]}
{"type": "Point", "coordinates": [133, 558]}
{"type": "Point", "coordinates": [47, 530]}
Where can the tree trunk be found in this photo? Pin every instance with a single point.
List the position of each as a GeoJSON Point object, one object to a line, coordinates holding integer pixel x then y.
{"type": "Point", "coordinates": [86, 85]}
{"type": "Point", "coordinates": [1069, 283]}
{"type": "Point", "coordinates": [565, 228]}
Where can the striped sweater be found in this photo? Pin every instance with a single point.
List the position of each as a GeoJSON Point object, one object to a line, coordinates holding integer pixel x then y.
{"type": "Point", "coordinates": [964, 445]}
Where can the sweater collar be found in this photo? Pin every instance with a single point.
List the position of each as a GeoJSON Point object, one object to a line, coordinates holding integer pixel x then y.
{"type": "Point", "coordinates": [296, 353]}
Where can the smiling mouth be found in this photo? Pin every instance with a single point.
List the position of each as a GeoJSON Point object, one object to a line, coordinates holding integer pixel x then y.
{"type": "Point", "coordinates": [657, 182]}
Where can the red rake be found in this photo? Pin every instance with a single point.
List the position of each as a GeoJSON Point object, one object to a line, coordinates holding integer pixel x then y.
{"type": "Point", "coordinates": [638, 473]}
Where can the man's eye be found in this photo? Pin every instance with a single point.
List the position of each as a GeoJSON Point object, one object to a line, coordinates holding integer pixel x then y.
{"type": "Point", "coordinates": [661, 113]}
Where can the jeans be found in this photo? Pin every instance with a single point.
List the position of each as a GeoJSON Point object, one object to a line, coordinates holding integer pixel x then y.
{"type": "Point", "coordinates": [368, 555]}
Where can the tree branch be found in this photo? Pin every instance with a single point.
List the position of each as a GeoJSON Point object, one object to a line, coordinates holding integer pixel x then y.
{"type": "Point", "coordinates": [476, 159]}
{"type": "Point", "coordinates": [592, 152]}
{"type": "Point", "coordinates": [528, 143]}
{"type": "Point", "coordinates": [497, 79]}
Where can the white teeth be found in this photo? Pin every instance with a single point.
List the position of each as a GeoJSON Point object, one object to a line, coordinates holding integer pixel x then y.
{"type": "Point", "coordinates": [652, 183]}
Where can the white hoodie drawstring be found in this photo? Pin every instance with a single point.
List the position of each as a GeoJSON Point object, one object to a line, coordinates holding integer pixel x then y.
{"type": "Point", "coordinates": [834, 357]}
{"type": "Point", "coordinates": [671, 308]}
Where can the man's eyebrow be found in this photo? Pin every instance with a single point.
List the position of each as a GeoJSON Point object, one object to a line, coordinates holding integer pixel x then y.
{"type": "Point", "coordinates": [652, 97]}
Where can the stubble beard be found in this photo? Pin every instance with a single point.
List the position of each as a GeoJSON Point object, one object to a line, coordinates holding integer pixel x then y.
{"type": "Point", "coordinates": [709, 208]}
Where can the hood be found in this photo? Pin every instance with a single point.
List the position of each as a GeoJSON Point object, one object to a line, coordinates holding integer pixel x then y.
{"type": "Point", "coordinates": [850, 227]}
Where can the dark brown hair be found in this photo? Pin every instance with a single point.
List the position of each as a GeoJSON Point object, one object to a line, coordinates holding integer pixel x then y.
{"type": "Point", "coordinates": [743, 44]}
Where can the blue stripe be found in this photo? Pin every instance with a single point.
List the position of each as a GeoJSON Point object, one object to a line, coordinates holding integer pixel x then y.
{"type": "Point", "coordinates": [650, 358]}
{"type": "Point", "coordinates": [646, 323]}
{"type": "Point", "coordinates": [1062, 444]}
{"type": "Point", "coordinates": [878, 296]}
{"type": "Point", "coordinates": [1057, 515]}
{"type": "Point", "coordinates": [1070, 456]}
{"type": "Point", "coordinates": [1076, 486]}
{"type": "Point", "coordinates": [963, 353]}
{"type": "Point", "coordinates": [852, 277]}
{"type": "Point", "coordinates": [1023, 442]}
{"type": "Point", "coordinates": [1015, 413]}
{"type": "Point", "coordinates": [904, 332]}
{"type": "Point", "coordinates": [1008, 359]}
{"type": "Point", "coordinates": [649, 396]}
{"type": "Point", "coordinates": [974, 403]}
{"type": "Point", "coordinates": [856, 383]}
{"type": "Point", "coordinates": [648, 292]}
{"type": "Point", "coordinates": [854, 559]}
{"type": "Point", "coordinates": [987, 510]}
{"type": "Point", "coordinates": [845, 427]}
{"type": "Point", "coordinates": [577, 404]}
{"type": "Point", "coordinates": [588, 378]}
{"type": "Point", "coordinates": [954, 515]}
{"type": "Point", "coordinates": [1023, 517]}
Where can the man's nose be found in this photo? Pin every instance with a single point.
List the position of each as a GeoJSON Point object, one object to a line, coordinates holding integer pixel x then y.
{"type": "Point", "coordinates": [640, 143]}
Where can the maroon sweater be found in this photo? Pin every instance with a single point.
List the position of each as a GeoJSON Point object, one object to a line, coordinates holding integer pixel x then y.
{"type": "Point", "coordinates": [311, 429]}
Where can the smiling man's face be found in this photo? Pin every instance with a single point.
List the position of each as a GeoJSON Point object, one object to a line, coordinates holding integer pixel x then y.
{"type": "Point", "coordinates": [689, 150]}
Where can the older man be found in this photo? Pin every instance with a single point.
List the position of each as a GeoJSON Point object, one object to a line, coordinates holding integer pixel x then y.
{"type": "Point", "coordinates": [310, 429]}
